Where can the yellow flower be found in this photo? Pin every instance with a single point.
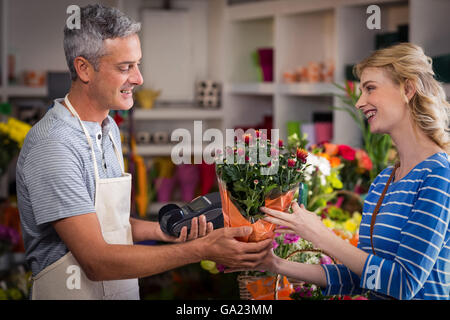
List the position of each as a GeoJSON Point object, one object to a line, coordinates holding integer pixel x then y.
{"type": "Point", "coordinates": [329, 223]}
{"type": "Point", "coordinates": [357, 217]}
{"type": "Point", "coordinates": [208, 265]}
{"type": "Point", "coordinates": [350, 225]}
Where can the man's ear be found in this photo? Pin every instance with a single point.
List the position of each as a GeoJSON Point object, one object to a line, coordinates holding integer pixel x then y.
{"type": "Point", "coordinates": [83, 68]}
{"type": "Point", "coordinates": [410, 89]}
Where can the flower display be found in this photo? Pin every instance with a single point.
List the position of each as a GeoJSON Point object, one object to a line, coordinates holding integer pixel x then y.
{"type": "Point", "coordinates": [354, 165]}
{"type": "Point", "coordinates": [12, 136]}
{"type": "Point", "coordinates": [9, 237]}
{"type": "Point", "coordinates": [246, 183]}
{"type": "Point", "coordinates": [342, 223]}
{"type": "Point", "coordinates": [321, 181]}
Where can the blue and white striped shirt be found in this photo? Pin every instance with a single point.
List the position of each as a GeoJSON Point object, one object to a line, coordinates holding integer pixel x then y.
{"type": "Point", "coordinates": [410, 237]}
{"type": "Point", "coordinates": [55, 178]}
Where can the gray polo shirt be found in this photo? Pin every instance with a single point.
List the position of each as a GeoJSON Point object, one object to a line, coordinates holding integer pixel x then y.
{"type": "Point", "coordinates": [55, 178]}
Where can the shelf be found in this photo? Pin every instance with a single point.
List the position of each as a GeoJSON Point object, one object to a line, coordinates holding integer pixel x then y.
{"type": "Point", "coordinates": [177, 114]}
{"type": "Point", "coordinates": [255, 88]}
{"type": "Point", "coordinates": [24, 91]}
{"type": "Point", "coordinates": [251, 11]}
{"type": "Point", "coordinates": [154, 150]}
{"type": "Point", "coordinates": [309, 89]}
{"type": "Point", "coordinates": [159, 150]}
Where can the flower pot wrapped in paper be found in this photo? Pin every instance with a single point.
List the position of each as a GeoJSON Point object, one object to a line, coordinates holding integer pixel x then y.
{"type": "Point", "coordinates": [246, 184]}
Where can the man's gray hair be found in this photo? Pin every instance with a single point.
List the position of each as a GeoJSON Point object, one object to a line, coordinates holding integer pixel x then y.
{"type": "Point", "coordinates": [97, 23]}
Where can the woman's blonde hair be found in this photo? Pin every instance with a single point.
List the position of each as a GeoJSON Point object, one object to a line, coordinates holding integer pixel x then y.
{"type": "Point", "coordinates": [406, 62]}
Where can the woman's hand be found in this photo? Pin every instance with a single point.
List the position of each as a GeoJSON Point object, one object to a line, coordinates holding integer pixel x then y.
{"type": "Point", "coordinates": [302, 222]}
{"type": "Point", "coordinates": [199, 228]}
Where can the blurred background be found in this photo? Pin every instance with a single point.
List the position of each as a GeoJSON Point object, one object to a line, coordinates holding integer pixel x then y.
{"type": "Point", "coordinates": [229, 63]}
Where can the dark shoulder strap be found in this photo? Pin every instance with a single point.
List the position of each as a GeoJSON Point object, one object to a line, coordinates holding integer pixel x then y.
{"type": "Point", "coordinates": [380, 201]}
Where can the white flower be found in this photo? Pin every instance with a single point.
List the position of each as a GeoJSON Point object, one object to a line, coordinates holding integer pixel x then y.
{"type": "Point", "coordinates": [317, 162]}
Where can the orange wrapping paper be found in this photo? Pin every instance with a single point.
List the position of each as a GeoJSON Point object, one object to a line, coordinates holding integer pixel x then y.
{"type": "Point", "coordinates": [264, 289]}
{"type": "Point", "coordinates": [261, 229]}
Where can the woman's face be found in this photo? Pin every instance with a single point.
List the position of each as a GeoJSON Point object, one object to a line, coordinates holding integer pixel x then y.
{"type": "Point", "coordinates": [382, 102]}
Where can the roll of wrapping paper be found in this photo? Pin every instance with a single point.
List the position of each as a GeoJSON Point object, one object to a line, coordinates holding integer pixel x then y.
{"type": "Point", "coordinates": [262, 230]}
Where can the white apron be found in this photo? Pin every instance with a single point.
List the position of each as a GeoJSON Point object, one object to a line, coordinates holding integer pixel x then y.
{"type": "Point", "coordinates": [65, 279]}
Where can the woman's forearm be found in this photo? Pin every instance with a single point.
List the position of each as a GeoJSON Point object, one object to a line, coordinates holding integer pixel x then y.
{"type": "Point", "coordinates": [347, 254]}
{"type": "Point", "coordinates": [310, 273]}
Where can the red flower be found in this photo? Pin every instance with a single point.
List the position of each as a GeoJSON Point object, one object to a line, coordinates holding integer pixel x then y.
{"type": "Point", "coordinates": [302, 154]}
{"type": "Point", "coordinates": [247, 138]}
{"type": "Point", "coordinates": [291, 162]}
{"type": "Point", "coordinates": [350, 87]}
{"type": "Point", "coordinates": [364, 162]}
{"type": "Point", "coordinates": [280, 143]}
{"type": "Point", "coordinates": [346, 152]}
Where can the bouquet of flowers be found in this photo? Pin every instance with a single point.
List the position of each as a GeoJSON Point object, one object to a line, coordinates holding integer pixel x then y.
{"type": "Point", "coordinates": [12, 135]}
{"type": "Point", "coordinates": [246, 184]}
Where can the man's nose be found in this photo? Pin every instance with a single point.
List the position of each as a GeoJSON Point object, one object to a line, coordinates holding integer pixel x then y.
{"type": "Point", "coordinates": [136, 78]}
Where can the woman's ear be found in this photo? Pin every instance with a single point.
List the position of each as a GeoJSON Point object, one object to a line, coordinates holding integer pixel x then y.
{"type": "Point", "coordinates": [83, 68]}
{"type": "Point", "coordinates": [410, 89]}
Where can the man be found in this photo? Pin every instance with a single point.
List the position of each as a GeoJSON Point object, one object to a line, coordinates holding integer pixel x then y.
{"type": "Point", "coordinates": [73, 194]}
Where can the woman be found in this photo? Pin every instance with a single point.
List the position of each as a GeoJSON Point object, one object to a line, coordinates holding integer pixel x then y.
{"type": "Point", "coordinates": [408, 254]}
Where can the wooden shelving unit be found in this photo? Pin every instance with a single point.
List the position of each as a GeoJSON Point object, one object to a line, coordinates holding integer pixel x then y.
{"type": "Point", "coordinates": [320, 30]}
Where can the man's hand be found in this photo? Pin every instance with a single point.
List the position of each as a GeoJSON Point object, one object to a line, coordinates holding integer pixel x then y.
{"type": "Point", "coordinates": [222, 247]}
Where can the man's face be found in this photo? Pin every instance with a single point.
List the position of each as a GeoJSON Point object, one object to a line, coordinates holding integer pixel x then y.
{"type": "Point", "coordinates": [118, 73]}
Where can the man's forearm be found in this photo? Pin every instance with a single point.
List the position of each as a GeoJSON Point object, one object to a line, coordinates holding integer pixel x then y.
{"type": "Point", "coordinates": [136, 261]}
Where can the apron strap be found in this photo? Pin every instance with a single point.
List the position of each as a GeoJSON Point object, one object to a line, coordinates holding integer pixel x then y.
{"type": "Point", "coordinates": [88, 137]}
{"type": "Point", "coordinates": [116, 151]}
{"type": "Point", "coordinates": [380, 201]}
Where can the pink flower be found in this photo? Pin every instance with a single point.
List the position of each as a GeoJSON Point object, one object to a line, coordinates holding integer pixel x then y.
{"type": "Point", "coordinates": [274, 152]}
{"type": "Point", "coordinates": [291, 162]}
{"type": "Point", "coordinates": [255, 181]}
{"type": "Point", "coordinates": [326, 260]}
{"type": "Point", "coordinates": [290, 238]}
{"type": "Point", "coordinates": [220, 267]}
{"type": "Point", "coordinates": [240, 151]}
{"type": "Point", "coordinates": [274, 244]}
